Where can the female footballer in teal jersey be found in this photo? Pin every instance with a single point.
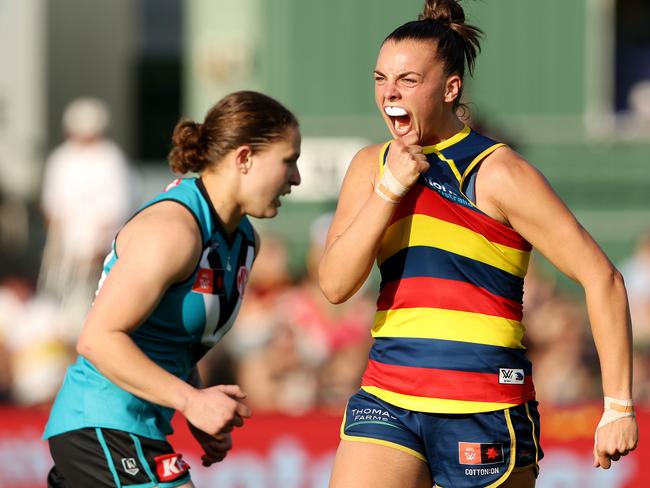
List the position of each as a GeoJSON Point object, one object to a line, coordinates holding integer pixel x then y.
{"type": "Point", "coordinates": [171, 288]}
{"type": "Point", "coordinates": [450, 215]}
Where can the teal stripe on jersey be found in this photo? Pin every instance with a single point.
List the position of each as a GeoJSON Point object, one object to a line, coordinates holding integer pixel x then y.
{"type": "Point", "coordinates": [189, 319]}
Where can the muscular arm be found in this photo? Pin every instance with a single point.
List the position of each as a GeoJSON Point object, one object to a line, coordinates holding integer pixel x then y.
{"type": "Point", "coordinates": [157, 248]}
{"type": "Point", "coordinates": [357, 227]}
{"type": "Point", "coordinates": [511, 190]}
{"type": "Point", "coordinates": [362, 216]}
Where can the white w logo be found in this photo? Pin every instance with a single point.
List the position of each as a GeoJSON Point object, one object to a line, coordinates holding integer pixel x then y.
{"type": "Point", "coordinates": [470, 455]}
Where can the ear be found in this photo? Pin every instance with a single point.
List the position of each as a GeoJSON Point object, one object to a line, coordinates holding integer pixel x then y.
{"type": "Point", "coordinates": [243, 160]}
{"type": "Point", "coordinates": [452, 88]}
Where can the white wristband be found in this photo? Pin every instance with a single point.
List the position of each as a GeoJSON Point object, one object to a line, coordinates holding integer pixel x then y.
{"type": "Point", "coordinates": [615, 409]}
{"type": "Point", "coordinates": [389, 188]}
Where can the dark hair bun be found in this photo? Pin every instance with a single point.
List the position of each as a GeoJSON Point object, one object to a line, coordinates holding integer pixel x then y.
{"type": "Point", "coordinates": [447, 12]}
{"type": "Point", "coordinates": [188, 153]}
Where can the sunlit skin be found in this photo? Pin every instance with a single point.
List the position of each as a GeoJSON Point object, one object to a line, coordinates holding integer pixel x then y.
{"type": "Point", "coordinates": [272, 173]}
{"type": "Point", "coordinates": [251, 182]}
{"type": "Point", "coordinates": [160, 246]}
{"type": "Point", "coordinates": [409, 75]}
{"type": "Point", "coordinates": [411, 81]}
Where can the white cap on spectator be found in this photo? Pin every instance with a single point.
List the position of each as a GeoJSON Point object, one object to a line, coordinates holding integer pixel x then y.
{"type": "Point", "coordinates": [86, 117]}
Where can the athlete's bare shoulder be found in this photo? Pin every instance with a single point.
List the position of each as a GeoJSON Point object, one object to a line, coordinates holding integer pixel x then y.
{"type": "Point", "coordinates": [167, 232]}
{"type": "Point", "coordinates": [365, 164]}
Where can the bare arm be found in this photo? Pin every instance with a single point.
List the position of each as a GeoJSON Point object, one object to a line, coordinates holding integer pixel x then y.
{"type": "Point", "coordinates": [511, 190]}
{"type": "Point", "coordinates": [159, 247]}
{"type": "Point", "coordinates": [362, 216]}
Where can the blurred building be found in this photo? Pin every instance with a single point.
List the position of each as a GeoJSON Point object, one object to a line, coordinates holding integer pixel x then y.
{"type": "Point", "coordinates": [566, 81]}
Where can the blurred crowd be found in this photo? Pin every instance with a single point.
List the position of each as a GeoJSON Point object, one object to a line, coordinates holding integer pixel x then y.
{"type": "Point", "coordinates": [290, 350]}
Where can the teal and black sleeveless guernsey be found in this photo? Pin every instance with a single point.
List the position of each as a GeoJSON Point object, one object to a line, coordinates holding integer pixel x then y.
{"type": "Point", "coordinates": [190, 318]}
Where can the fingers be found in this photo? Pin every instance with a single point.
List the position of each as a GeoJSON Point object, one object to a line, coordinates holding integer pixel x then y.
{"type": "Point", "coordinates": [614, 440]}
{"type": "Point", "coordinates": [217, 409]}
{"type": "Point", "coordinates": [233, 391]}
{"type": "Point", "coordinates": [243, 411]}
{"type": "Point", "coordinates": [216, 449]}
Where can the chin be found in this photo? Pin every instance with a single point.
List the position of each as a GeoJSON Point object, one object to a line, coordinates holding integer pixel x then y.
{"type": "Point", "coordinates": [266, 213]}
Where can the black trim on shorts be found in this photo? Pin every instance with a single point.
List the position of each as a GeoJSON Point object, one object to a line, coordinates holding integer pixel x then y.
{"type": "Point", "coordinates": [105, 458]}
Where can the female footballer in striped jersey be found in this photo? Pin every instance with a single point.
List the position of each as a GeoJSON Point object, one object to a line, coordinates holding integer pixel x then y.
{"type": "Point", "coordinates": [171, 288]}
{"type": "Point", "coordinates": [450, 217]}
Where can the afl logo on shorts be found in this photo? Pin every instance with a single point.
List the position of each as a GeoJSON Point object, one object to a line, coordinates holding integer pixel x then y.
{"type": "Point", "coordinates": [242, 279]}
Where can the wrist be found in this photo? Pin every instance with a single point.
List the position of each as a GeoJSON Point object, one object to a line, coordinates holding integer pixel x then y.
{"type": "Point", "coordinates": [389, 188]}
{"type": "Point", "coordinates": [615, 409]}
{"type": "Point", "coordinates": [625, 406]}
{"type": "Point", "coordinates": [184, 398]}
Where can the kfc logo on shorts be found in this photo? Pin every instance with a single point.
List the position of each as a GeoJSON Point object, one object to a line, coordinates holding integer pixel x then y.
{"type": "Point", "coordinates": [242, 279]}
{"type": "Point", "coordinates": [170, 466]}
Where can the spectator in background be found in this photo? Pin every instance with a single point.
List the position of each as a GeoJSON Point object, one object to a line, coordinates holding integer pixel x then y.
{"type": "Point", "coordinates": [268, 366]}
{"type": "Point", "coordinates": [33, 357]}
{"type": "Point", "coordinates": [334, 339]}
{"type": "Point", "coordinates": [86, 196]}
{"type": "Point", "coordinates": [636, 271]}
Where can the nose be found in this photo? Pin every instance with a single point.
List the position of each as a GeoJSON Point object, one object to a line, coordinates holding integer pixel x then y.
{"type": "Point", "coordinates": [294, 177]}
{"type": "Point", "coordinates": [390, 91]}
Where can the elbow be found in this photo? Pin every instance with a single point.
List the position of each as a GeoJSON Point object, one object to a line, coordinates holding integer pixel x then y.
{"type": "Point", "coordinates": [84, 348]}
{"type": "Point", "coordinates": [333, 293]}
{"type": "Point", "coordinates": [332, 289]}
{"type": "Point", "coordinates": [611, 278]}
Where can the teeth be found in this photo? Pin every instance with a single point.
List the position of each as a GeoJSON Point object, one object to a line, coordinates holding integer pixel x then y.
{"type": "Point", "coordinates": [395, 111]}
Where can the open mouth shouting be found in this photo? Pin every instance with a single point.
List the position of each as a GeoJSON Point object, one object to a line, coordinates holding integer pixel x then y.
{"type": "Point", "coordinates": [400, 119]}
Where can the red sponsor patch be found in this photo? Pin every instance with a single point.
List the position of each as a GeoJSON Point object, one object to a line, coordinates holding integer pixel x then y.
{"type": "Point", "coordinates": [170, 467]}
{"type": "Point", "coordinates": [204, 282]}
{"type": "Point", "coordinates": [480, 453]}
{"type": "Point", "coordinates": [469, 453]}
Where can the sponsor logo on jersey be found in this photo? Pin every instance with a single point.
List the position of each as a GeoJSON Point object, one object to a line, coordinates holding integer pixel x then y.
{"type": "Point", "coordinates": [242, 279]}
{"type": "Point", "coordinates": [480, 453]}
{"type": "Point", "coordinates": [130, 466]}
{"type": "Point", "coordinates": [204, 282]}
{"type": "Point", "coordinates": [509, 376]}
{"type": "Point", "coordinates": [170, 466]}
{"type": "Point", "coordinates": [174, 183]}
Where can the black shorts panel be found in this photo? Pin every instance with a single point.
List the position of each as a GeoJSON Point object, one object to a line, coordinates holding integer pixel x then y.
{"type": "Point", "coordinates": [107, 458]}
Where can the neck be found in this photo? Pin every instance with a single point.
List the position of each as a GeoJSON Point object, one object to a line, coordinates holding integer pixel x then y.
{"type": "Point", "coordinates": [221, 192]}
{"type": "Point", "coordinates": [448, 126]}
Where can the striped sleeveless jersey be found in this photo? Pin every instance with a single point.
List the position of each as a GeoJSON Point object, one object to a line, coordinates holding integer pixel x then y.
{"type": "Point", "coordinates": [447, 331]}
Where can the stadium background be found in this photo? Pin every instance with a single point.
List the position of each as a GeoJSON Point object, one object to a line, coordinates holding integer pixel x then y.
{"type": "Point", "coordinates": [562, 81]}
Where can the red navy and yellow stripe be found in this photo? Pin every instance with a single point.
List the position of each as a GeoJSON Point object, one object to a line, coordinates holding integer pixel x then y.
{"type": "Point", "coordinates": [450, 306]}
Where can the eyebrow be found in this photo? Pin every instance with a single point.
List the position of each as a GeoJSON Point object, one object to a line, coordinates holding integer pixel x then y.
{"type": "Point", "coordinates": [401, 75]}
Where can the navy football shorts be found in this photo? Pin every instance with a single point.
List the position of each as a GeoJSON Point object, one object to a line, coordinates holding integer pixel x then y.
{"type": "Point", "coordinates": [461, 450]}
{"type": "Point", "coordinates": [103, 458]}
